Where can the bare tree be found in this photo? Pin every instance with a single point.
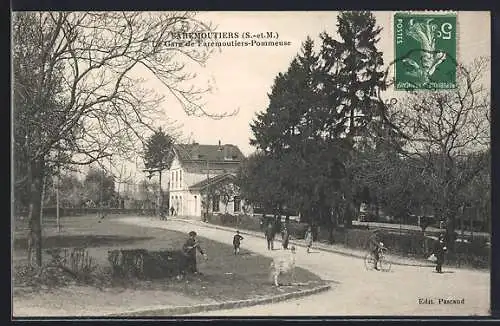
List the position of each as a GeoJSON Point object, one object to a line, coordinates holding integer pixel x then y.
{"type": "Point", "coordinates": [78, 96]}
{"type": "Point", "coordinates": [447, 135]}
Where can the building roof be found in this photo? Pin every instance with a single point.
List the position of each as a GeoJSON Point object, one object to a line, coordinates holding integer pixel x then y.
{"type": "Point", "coordinates": [221, 159]}
{"type": "Point", "coordinates": [219, 178]}
{"type": "Point", "coordinates": [212, 153]}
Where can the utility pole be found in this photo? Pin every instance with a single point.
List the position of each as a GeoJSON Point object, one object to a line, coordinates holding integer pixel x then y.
{"type": "Point", "coordinates": [57, 199]}
{"type": "Point", "coordinates": [101, 194]}
{"type": "Point", "coordinates": [208, 191]}
{"type": "Point", "coordinates": [161, 195]}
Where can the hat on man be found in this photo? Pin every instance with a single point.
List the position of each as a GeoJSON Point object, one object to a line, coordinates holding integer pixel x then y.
{"type": "Point", "coordinates": [192, 234]}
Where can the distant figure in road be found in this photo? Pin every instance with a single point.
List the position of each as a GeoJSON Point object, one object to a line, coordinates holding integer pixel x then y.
{"type": "Point", "coordinates": [172, 211]}
{"type": "Point", "coordinates": [189, 250]}
{"type": "Point", "coordinates": [163, 214]}
{"type": "Point", "coordinates": [439, 252]}
{"type": "Point", "coordinates": [309, 239]}
{"type": "Point", "coordinates": [236, 242]}
{"type": "Point", "coordinates": [270, 236]}
{"type": "Point", "coordinates": [263, 222]}
{"type": "Point", "coordinates": [285, 238]}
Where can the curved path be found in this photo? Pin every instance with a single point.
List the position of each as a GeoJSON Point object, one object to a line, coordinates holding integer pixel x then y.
{"type": "Point", "coordinates": [356, 291]}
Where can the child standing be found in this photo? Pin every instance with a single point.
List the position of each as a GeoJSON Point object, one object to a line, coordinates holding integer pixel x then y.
{"type": "Point", "coordinates": [285, 238]}
{"type": "Point", "coordinates": [270, 236]}
{"type": "Point", "coordinates": [309, 238]}
{"type": "Point", "coordinates": [236, 242]}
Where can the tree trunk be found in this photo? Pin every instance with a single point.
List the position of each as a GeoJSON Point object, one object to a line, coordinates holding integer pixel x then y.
{"type": "Point", "coordinates": [348, 215]}
{"type": "Point", "coordinates": [35, 175]}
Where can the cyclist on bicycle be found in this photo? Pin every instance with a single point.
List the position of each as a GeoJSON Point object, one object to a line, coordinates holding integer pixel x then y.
{"type": "Point", "coordinates": [376, 247]}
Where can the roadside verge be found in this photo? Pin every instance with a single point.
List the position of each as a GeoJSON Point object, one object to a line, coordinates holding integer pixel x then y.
{"type": "Point", "coordinates": [183, 310]}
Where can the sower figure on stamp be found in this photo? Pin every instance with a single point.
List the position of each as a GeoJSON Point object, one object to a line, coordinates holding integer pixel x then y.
{"type": "Point", "coordinates": [189, 249]}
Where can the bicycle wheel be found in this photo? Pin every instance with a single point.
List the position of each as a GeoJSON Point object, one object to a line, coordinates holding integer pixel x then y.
{"type": "Point", "coordinates": [385, 265]}
{"type": "Point", "coordinates": [369, 261]}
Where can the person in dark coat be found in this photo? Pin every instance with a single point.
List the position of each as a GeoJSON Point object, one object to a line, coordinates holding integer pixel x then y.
{"type": "Point", "coordinates": [189, 250]}
{"type": "Point", "coordinates": [308, 237]}
{"type": "Point", "coordinates": [236, 242]}
{"type": "Point", "coordinates": [439, 252]}
{"type": "Point", "coordinates": [270, 236]}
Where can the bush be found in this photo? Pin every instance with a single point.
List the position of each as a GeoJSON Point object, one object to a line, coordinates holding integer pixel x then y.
{"type": "Point", "coordinates": [65, 265]}
{"type": "Point", "coordinates": [297, 230]}
{"type": "Point", "coordinates": [144, 264]}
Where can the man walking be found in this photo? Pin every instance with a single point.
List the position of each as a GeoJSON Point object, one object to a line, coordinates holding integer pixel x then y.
{"type": "Point", "coordinates": [439, 251]}
{"type": "Point", "coordinates": [308, 237]}
{"type": "Point", "coordinates": [270, 236]}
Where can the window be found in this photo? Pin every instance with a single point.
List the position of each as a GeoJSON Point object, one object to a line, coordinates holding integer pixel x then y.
{"type": "Point", "coordinates": [215, 203]}
{"type": "Point", "coordinates": [177, 179]}
{"type": "Point", "coordinates": [172, 180]}
{"type": "Point", "coordinates": [195, 204]}
{"type": "Point", "coordinates": [180, 178]}
{"type": "Point", "coordinates": [237, 204]}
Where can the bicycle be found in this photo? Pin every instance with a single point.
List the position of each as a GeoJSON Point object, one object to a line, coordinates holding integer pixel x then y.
{"type": "Point", "coordinates": [383, 264]}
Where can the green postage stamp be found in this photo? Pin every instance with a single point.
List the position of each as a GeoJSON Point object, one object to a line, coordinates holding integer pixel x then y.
{"type": "Point", "coordinates": [425, 51]}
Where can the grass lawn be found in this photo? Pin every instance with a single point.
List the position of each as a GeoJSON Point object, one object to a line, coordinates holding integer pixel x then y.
{"type": "Point", "coordinates": [224, 276]}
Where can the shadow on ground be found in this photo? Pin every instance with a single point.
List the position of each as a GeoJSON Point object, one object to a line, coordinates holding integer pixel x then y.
{"type": "Point", "coordinates": [87, 241]}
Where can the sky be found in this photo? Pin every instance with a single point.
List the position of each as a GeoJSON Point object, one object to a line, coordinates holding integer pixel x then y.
{"type": "Point", "coordinates": [242, 76]}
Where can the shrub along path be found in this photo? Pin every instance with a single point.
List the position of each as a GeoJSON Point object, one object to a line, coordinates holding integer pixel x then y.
{"type": "Point", "coordinates": [224, 275]}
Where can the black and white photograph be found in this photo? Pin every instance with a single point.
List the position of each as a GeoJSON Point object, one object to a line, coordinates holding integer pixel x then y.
{"type": "Point", "coordinates": [250, 163]}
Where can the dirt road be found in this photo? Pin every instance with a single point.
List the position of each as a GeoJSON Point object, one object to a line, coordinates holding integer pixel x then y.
{"type": "Point", "coordinates": [405, 290]}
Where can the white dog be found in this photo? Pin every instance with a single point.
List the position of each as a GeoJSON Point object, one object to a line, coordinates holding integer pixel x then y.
{"type": "Point", "coordinates": [283, 264]}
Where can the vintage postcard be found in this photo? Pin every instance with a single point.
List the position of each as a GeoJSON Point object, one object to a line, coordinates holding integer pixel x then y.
{"type": "Point", "coordinates": [316, 163]}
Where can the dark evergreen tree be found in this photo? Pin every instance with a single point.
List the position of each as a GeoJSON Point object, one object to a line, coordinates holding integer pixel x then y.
{"type": "Point", "coordinates": [158, 151]}
{"type": "Point", "coordinates": [353, 69]}
{"type": "Point", "coordinates": [351, 77]}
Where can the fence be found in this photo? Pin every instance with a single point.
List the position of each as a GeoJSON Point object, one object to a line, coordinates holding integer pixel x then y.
{"type": "Point", "coordinates": [474, 253]}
